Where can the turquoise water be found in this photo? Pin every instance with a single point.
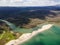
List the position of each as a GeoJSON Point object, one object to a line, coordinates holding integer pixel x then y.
{"type": "Point", "coordinates": [48, 37]}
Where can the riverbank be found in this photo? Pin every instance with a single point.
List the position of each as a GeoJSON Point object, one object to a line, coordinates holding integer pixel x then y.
{"type": "Point", "coordinates": [27, 36]}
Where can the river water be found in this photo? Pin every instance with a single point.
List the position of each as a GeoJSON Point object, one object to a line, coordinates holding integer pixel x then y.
{"type": "Point", "coordinates": [48, 37]}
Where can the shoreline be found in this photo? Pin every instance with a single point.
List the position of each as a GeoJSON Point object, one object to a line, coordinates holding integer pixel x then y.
{"type": "Point", "coordinates": [26, 36]}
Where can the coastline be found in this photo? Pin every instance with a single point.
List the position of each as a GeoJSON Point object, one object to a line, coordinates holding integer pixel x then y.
{"type": "Point", "coordinates": [26, 36]}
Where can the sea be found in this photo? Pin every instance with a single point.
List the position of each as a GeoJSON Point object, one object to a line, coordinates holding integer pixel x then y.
{"type": "Point", "coordinates": [48, 37]}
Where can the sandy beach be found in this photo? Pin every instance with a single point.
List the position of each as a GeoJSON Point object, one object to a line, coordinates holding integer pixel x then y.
{"type": "Point", "coordinates": [26, 36]}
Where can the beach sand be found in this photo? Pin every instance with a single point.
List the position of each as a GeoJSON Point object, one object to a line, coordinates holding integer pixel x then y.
{"type": "Point", "coordinates": [26, 36]}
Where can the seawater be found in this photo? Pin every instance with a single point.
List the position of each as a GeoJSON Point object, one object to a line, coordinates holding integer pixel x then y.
{"type": "Point", "coordinates": [48, 37]}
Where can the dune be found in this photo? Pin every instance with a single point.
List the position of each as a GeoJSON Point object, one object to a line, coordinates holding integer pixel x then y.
{"type": "Point", "coordinates": [26, 36]}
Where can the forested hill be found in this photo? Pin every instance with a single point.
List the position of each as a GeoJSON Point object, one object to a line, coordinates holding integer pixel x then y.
{"type": "Point", "coordinates": [27, 16]}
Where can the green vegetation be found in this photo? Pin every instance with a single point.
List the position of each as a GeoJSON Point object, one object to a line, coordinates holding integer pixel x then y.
{"type": "Point", "coordinates": [5, 37]}
{"type": "Point", "coordinates": [7, 34]}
